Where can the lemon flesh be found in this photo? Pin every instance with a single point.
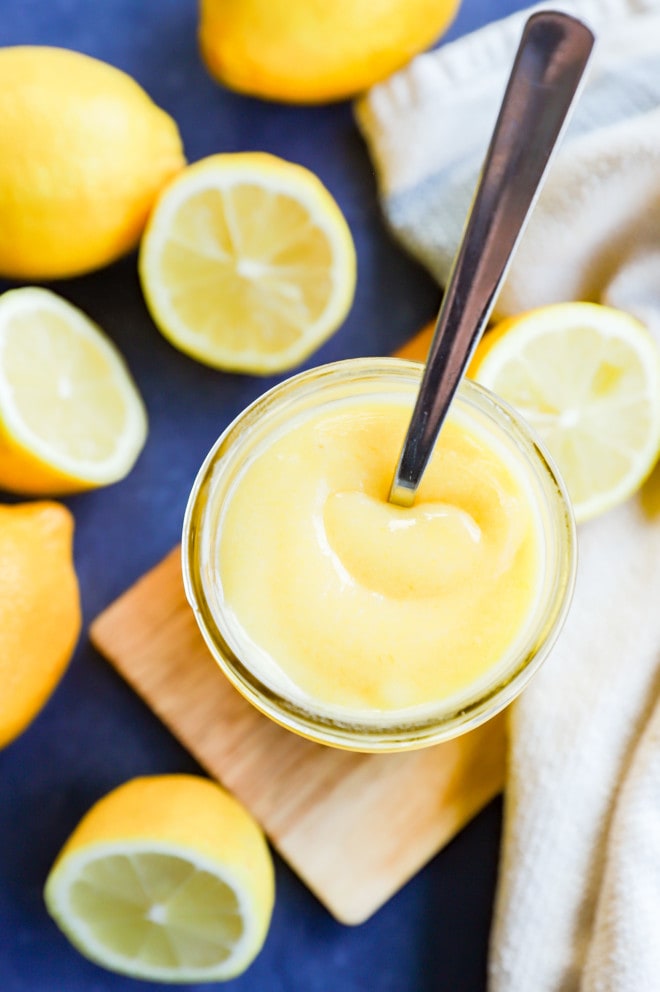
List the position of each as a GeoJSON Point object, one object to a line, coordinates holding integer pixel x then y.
{"type": "Point", "coordinates": [71, 417]}
{"type": "Point", "coordinates": [157, 890]}
{"type": "Point", "coordinates": [247, 263]}
{"type": "Point", "coordinates": [155, 914]}
{"type": "Point", "coordinates": [587, 378]}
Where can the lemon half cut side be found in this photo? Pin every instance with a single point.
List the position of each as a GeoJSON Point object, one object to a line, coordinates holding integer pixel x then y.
{"type": "Point", "coordinates": [247, 263]}
{"type": "Point", "coordinates": [167, 878]}
{"type": "Point", "coordinates": [586, 377]}
{"type": "Point", "coordinates": [71, 416]}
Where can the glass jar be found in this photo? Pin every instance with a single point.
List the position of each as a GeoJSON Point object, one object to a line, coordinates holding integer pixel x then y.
{"type": "Point", "coordinates": [381, 730]}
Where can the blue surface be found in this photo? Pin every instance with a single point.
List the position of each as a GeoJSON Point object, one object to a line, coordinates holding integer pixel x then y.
{"type": "Point", "coordinates": [95, 732]}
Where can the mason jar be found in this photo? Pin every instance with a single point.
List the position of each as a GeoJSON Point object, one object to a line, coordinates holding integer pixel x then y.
{"type": "Point", "coordinates": [257, 676]}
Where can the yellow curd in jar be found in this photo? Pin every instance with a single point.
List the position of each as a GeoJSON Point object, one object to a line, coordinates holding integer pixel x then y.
{"type": "Point", "coordinates": [346, 600]}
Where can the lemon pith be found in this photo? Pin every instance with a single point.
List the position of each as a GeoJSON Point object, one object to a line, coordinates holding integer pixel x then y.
{"type": "Point", "coordinates": [247, 263]}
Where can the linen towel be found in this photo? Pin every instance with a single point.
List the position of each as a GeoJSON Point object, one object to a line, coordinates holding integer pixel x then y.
{"type": "Point", "coordinates": [578, 899]}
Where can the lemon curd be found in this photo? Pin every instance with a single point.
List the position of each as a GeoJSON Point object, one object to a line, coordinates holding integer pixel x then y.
{"type": "Point", "coordinates": [354, 621]}
{"type": "Point", "coordinates": [362, 604]}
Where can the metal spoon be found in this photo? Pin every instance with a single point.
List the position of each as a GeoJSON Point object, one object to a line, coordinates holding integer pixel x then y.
{"type": "Point", "coordinates": [549, 64]}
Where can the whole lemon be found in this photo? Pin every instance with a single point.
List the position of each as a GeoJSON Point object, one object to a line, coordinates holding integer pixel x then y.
{"type": "Point", "coordinates": [83, 153]}
{"type": "Point", "coordinates": [39, 609]}
{"type": "Point", "coordinates": [314, 51]}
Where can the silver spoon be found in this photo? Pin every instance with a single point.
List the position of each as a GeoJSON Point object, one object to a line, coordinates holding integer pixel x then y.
{"type": "Point", "coordinates": [549, 64]}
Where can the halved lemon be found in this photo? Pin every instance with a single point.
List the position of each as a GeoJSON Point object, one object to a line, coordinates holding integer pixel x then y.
{"type": "Point", "coordinates": [247, 263]}
{"type": "Point", "coordinates": [71, 416]}
{"type": "Point", "coordinates": [167, 878]}
{"type": "Point", "coordinates": [587, 378]}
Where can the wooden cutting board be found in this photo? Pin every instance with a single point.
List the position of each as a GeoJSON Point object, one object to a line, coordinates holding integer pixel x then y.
{"type": "Point", "coordinates": [354, 827]}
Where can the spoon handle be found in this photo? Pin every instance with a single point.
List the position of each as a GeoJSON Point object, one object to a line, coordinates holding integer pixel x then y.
{"type": "Point", "coordinates": [549, 64]}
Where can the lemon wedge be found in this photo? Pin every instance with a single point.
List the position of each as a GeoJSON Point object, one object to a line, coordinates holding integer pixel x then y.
{"type": "Point", "coordinates": [587, 378]}
{"type": "Point", "coordinates": [71, 417]}
{"type": "Point", "coordinates": [247, 263]}
{"type": "Point", "coordinates": [167, 878]}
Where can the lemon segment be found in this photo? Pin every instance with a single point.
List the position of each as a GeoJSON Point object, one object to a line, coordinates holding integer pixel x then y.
{"type": "Point", "coordinates": [167, 878]}
{"type": "Point", "coordinates": [40, 613]}
{"type": "Point", "coordinates": [247, 263]}
{"type": "Point", "coordinates": [587, 378]}
{"type": "Point", "coordinates": [71, 417]}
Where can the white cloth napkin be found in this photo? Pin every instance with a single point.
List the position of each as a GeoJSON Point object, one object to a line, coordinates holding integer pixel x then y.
{"type": "Point", "coordinates": [578, 900]}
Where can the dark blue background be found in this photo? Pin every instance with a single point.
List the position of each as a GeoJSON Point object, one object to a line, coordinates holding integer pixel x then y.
{"type": "Point", "coordinates": [95, 732]}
